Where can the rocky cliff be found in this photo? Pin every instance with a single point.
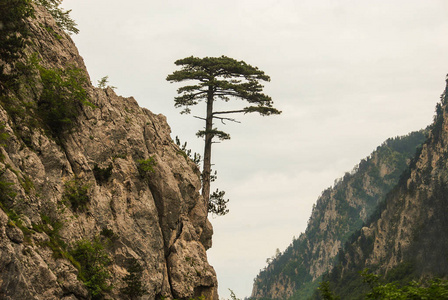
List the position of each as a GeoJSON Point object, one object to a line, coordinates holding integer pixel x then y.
{"type": "Point", "coordinates": [339, 212]}
{"type": "Point", "coordinates": [407, 238]}
{"type": "Point", "coordinates": [95, 192]}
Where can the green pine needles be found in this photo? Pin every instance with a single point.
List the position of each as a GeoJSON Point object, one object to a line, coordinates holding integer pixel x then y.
{"type": "Point", "coordinates": [221, 78]}
{"type": "Point", "coordinates": [134, 287]}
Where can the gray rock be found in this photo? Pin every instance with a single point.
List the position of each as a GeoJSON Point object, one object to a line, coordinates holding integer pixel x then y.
{"type": "Point", "coordinates": [14, 234]}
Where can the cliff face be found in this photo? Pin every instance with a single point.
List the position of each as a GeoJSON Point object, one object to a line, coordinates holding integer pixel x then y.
{"type": "Point", "coordinates": [339, 212]}
{"type": "Point", "coordinates": [115, 179]}
{"type": "Point", "coordinates": [407, 237]}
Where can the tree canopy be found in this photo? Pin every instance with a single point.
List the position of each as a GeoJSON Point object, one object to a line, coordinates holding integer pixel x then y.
{"type": "Point", "coordinates": [221, 77]}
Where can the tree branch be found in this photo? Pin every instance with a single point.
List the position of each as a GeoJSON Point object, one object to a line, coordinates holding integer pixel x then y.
{"type": "Point", "coordinates": [200, 118]}
{"type": "Point", "coordinates": [228, 112]}
{"type": "Point", "coordinates": [227, 119]}
{"type": "Point", "coordinates": [193, 95]}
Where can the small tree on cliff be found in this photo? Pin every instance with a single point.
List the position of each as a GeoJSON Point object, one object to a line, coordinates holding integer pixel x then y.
{"type": "Point", "coordinates": [219, 78]}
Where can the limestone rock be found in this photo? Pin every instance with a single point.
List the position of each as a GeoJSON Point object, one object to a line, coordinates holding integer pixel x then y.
{"type": "Point", "coordinates": [158, 218]}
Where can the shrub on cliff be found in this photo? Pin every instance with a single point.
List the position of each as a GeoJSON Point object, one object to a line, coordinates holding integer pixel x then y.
{"type": "Point", "coordinates": [93, 261]}
{"type": "Point", "coordinates": [134, 287]}
{"type": "Point", "coordinates": [77, 194]}
{"type": "Point", "coordinates": [62, 97]}
{"type": "Point", "coordinates": [145, 167]}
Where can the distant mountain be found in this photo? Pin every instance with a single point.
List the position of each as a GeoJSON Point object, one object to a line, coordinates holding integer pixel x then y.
{"type": "Point", "coordinates": [407, 236]}
{"type": "Point", "coordinates": [339, 212]}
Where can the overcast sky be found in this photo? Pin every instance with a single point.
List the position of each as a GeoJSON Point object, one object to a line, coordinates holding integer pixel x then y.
{"type": "Point", "coordinates": [347, 74]}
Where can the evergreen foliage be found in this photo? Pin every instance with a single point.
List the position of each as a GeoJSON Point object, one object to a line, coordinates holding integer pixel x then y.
{"type": "Point", "coordinates": [224, 77]}
{"type": "Point", "coordinates": [102, 175]}
{"type": "Point", "coordinates": [3, 134]}
{"type": "Point", "coordinates": [326, 292]}
{"type": "Point", "coordinates": [93, 261]}
{"type": "Point", "coordinates": [77, 194]}
{"type": "Point", "coordinates": [232, 295]}
{"type": "Point", "coordinates": [219, 78]}
{"type": "Point", "coordinates": [52, 226]}
{"type": "Point", "coordinates": [60, 91]}
{"type": "Point", "coordinates": [14, 30]}
{"type": "Point", "coordinates": [62, 97]}
{"type": "Point", "coordinates": [103, 83]}
{"type": "Point", "coordinates": [145, 167]}
{"type": "Point", "coordinates": [15, 34]}
{"type": "Point", "coordinates": [134, 287]}
{"type": "Point", "coordinates": [109, 235]}
{"type": "Point", "coordinates": [217, 204]}
{"type": "Point", "coordinates": [375, 288]}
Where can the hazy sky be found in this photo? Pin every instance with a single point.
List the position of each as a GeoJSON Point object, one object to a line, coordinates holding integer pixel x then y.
{"type": "Point", "coordinates": [347, 74]}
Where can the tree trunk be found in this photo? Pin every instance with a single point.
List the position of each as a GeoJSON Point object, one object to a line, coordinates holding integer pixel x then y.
{"type": "Point", "coordinates": [208, 148]}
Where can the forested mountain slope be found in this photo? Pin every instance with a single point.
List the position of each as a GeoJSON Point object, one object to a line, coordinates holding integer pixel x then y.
{"type": "Point", "coordinates": [338, 213]}
{"type": "Point", "coordinates": [95, 198]}
{"type": "Point", "coordinates": [407, 237]}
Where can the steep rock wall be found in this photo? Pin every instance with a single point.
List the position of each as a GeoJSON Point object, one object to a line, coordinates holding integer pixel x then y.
{"type": "Point", "coordinates": [157, 218]}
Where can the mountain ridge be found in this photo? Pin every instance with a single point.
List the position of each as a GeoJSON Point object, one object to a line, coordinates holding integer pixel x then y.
{"type": "Point", "coordinates": [337, 214]}
{"type": "Point", "coordinates": [406, 238]}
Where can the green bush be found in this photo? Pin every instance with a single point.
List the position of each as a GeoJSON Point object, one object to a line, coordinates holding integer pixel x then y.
{"type": "Point", "coordinates": [77, 194]}
{"type": "Point", "coordinates": [110, 235]}
{"type": "Point", "coordinates": [134, 287]}
{"type": "Point", "coordinates": [93, 261]}
{"type": "Point", "coordinates": [433, 289]}
{"type": "Point", "coordinates": [379, 289]}
{"type": "Point", "coordinates": [145, 167]}
{"type": "Point", "coordinates": [102, 175]}
{"type": "Point", "coordinates": [62, 97]}
{"type": "Point", "coordinates": [103, 83]}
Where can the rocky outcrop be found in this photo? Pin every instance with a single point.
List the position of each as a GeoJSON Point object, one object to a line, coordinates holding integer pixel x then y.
{"type": "Point", "coordinates": [155, 216]}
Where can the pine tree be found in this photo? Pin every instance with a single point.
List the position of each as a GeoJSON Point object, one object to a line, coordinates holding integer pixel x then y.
{"type": "Point", "coordinates": [220, 78]}
{"type": "Point", "coordinates": [134, 287]}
